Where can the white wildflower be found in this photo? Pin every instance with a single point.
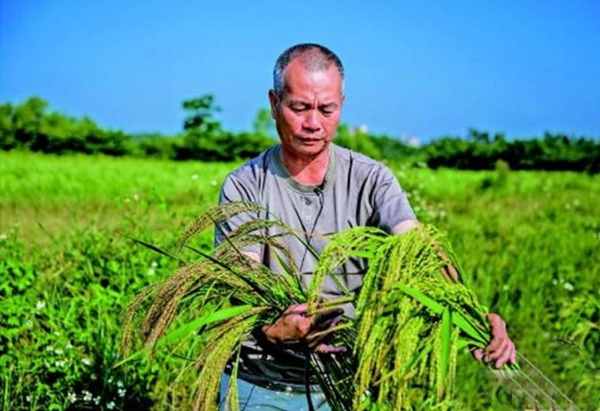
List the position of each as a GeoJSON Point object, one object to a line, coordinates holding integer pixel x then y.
{"type": "Point", "coordinates": [72, 397]}
{"type": "Point", "coordinates": [40, 304]}
{"type": "Point", "coordinates": [87, 396]}
{"type": "Point", "coordinates": [97, 400]}
{"type": "Point", "coordinates": [28, 398]}
{"type": "Point", "coordinates": [568, 286]}
{"type": "Point", "coordinates": [60, 363]}
{"type": "Point", "coordinates": [58, 351]}
{"type": "Point", "coordinates": [121, 392]}
{"type": "Point", "coordinates": [110, 405]}
{"type": "Point", "coordinates": [85, 361]}
{"type": "Point", "coordinates": [69, 346]}
{"type": "Point", "coordinates": [120, 384]}
{"type": "Point", "coordinates": [154, 264]}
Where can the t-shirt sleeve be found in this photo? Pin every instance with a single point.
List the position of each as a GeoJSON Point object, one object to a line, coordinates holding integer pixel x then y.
{"type": "Point", "coordinates": [389, 201]}
{"type": "Point", "coordinates": [233, 189]}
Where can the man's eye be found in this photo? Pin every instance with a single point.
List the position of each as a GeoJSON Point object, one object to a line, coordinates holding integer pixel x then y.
{"type": "Point", "coordinates": [298, 109]}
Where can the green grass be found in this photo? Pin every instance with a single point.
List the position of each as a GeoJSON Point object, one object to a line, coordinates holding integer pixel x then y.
{"type": "Point", "coordinates": [528, 243]}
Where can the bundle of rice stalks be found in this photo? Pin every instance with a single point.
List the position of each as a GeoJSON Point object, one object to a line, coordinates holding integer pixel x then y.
{"type": "Point", "coordinates": [223, 297]}
{"type": "Point", "coordinates": [409, 315]}
{"type": "Point", "coordinates": [413, 313]}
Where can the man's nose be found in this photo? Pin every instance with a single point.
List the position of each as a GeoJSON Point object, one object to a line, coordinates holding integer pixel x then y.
{"type": "Point", "coordinates": [311, 120]}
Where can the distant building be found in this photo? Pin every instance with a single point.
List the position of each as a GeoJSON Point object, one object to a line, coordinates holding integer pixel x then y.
{"type": "Point", "coordinates": [362, 129]}
{"type": "Point", "coordinates": [413, 141]}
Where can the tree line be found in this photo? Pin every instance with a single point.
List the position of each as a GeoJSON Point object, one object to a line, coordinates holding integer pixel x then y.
{"type": "Point", "coordinates": [32, 126]}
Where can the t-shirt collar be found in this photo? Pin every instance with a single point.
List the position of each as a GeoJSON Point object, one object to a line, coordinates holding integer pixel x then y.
{"type": "Point", "coordinates": [304, 188]}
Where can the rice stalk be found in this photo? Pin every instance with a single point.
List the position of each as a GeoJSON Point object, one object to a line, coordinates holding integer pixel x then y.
{"type": "Point", "coordinates": [413, 312]}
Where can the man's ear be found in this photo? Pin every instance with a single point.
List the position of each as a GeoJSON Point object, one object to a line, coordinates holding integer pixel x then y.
{"type": "Point", "coordinates": [274, 101]}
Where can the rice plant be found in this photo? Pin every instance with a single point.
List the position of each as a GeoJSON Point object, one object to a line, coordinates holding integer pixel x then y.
{"type": "Point", "coordinates": [413, 314]}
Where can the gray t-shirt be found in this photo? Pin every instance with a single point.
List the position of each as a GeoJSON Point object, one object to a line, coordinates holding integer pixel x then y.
{"type": "Point", "coordinates": [357, 191]}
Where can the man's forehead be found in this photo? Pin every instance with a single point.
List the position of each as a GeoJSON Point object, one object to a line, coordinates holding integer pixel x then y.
{"type": "Point", "coordinates": [300, 79]}
{"type": "Point", "coordinates": [300, 66]}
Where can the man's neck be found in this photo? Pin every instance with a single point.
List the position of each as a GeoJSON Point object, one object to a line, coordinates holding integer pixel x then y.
{"type": "Point", "coordinates": [307, 170]}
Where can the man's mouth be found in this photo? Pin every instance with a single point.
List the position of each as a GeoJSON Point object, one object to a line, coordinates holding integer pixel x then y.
{"type": "Point", "coordinates": [309, 140]}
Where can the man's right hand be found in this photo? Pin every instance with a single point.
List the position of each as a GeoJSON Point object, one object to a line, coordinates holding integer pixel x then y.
{"type": "Point", "coordinates": [295, 326]}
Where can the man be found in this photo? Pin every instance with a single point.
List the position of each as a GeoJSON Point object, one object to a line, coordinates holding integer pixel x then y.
{"type": "Point", "coordinates": [317, 188]}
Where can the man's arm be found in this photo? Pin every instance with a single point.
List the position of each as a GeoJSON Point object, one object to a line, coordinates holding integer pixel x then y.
{"type": "Point", "coordinates": [405, 226]}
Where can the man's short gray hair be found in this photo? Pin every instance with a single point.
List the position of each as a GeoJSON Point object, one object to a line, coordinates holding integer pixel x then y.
{"type": "Point", "coordinates": [314, 57]}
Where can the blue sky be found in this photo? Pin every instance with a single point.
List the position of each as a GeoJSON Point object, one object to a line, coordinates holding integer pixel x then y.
{"type": "Point", "coordinates": [426, 68]}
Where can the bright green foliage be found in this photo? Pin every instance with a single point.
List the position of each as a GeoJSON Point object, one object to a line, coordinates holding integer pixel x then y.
{"type": "Point", "coordinates": [29, 126]}
{"type": "Point", "coordinates": [480, 151]}
{"type": "Point", "coordinates": [528, 242]}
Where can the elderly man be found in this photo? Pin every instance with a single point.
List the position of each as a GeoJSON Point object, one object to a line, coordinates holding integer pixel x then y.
{"type": "Point", "coordinates": [317, 188]}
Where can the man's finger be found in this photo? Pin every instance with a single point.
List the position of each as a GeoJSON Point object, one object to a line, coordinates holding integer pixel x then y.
{"type": "Point", "coordinates": [296, 309]}
{"type": "Point", "coordinates": [330, 349]}
{"type": "Point", "coordinates": [324, 316]}
{"type": "Point", "coordinates": [326, 324]}
{"type": "Point", "coordinates": [313, 340]}
{"type": "Point", "coordinates": [513, 356]}
{"type": "Point", "coordinates": [502, 346]}
{"type": "Point", "coordinates": [506, 356]}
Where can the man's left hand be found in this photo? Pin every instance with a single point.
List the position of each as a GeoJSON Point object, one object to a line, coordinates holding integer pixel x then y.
{"type": "Point", "coordinates": [501, 349]}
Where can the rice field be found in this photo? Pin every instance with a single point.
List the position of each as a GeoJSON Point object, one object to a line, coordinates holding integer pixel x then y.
{"type": "Point", "coordinates": [529, 244]}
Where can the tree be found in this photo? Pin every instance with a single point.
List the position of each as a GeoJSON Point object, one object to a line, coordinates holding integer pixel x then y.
{"type": "Point", "coordinates": [263, 124]}
{"type": "Point", "coordinates": [7, 132]}
{"type": "Point", "coordinates": [27, 121]}
{"type": "Point", "coordinates": [204, 139]}
{"type": "Point", "coordinates": [356, 140]}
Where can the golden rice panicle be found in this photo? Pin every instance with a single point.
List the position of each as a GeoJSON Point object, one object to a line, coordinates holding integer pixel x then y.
{"type": "Point", "coordinates": [129, 318]}
{"type": "Point", "coordinates": [168, 297]}
{"type": "Point", "coordinates": [216, 214]}
{"type": "Point", "coordinates": [215, 361]}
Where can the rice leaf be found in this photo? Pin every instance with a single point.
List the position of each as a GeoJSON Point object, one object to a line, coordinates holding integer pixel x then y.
{"type": "Point", "coordinates": [152, 247]}
{"type": "Point", "coordinates": [444, 361]}
{"type": "Point", "coordinates": [219, 315]}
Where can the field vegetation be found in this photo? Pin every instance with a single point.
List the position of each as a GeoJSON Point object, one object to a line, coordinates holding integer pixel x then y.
{"type": "Point", "coordinates": [32, 126]}
{"type": "Point", "coordinates": [528, 242]}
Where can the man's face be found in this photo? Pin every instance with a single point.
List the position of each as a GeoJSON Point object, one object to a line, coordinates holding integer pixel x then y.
{"type": "Point", "coordinates": [308, 114]}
